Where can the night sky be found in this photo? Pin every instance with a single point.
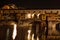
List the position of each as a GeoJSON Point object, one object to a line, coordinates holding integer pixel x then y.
{"type": "Point", "coordinates": [32, 3]}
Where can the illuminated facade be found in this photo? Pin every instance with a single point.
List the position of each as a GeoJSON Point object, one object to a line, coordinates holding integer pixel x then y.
{"type": "Point", "coordinates": [24, 18]}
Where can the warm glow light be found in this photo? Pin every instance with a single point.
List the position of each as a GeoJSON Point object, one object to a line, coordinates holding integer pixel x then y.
{"type": "Point", "coordinates": [37, 38]}
{"type": "Point", "coordinates": [29, 15]}
{"type": "Point", "coordinates": [6, 7]}
{"type": "Point", "coordinates": [32, 15]}
{"type": "Point", "coordinates": [38, 15]}
{"type": "Point", "coordinates": [29, 32]}
{"type": "Point", "coordinates": [14, 31]}
{"type": "Point", "coordinates": [32, 36]}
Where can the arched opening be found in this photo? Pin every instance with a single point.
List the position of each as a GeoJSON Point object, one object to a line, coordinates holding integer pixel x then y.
{"type": "Point", "coordinates": [58, 27]}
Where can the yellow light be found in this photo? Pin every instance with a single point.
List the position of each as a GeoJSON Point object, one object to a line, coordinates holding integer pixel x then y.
{"type": "Point", "coordinates": [32, 36]}
{"type": "Point", "coordinates": [6, 7]}
{"type": "Point", "coordinates": [14, 32]}
{"type": "Point", "coordinates": [37, 38]}
{"type": "Point", "coordinates": [38, 15]}
{"type": "Point", "coordinates": [29, 15]}
{"type": "Point", "coordinates": [32, 15]}
{"type": "Point", "coordinates": [29, 32]}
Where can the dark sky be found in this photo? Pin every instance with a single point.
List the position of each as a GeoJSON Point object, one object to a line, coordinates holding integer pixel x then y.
{"type": "Point", "coordinates": [33, 3]}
